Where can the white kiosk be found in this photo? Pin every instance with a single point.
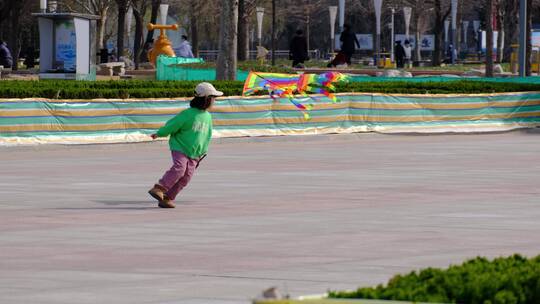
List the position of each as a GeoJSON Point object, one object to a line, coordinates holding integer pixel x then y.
{"type": "Point", "coordinates": [67, 46]}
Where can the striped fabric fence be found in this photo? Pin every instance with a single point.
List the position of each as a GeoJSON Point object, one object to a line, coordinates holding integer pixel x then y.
{"type": "Point", "coordinates": [35, 121]}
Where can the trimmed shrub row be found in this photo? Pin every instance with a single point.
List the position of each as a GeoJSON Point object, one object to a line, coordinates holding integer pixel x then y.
{"type": "Point", "coordinates": [252, 65]}
{"type": "Point", "coordinates": [169, 89]}
{"type": "Point", "coordinates": [506, 280]}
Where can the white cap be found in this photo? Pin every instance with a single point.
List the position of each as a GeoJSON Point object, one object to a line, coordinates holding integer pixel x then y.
{"type": "Point", "coordinates": [205, 89]}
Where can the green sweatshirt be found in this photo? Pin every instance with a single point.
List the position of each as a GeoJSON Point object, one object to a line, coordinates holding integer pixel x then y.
{"type": "Point", "coordinates": [190, 132]}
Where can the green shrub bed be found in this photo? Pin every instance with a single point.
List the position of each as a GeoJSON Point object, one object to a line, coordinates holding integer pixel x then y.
{"type": "Point", "coordinates": [509, 280]}
{"type": "Point", "coordinates": [251, 65]}
{"type": "Point", "coordinates": [62, 89]}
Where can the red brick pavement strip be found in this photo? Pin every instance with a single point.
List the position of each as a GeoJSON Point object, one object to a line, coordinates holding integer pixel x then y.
{"type": "Point", "coordinates": [305, 214]}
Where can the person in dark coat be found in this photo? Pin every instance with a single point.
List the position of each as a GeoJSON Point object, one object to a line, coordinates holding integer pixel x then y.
{"type": "Point", "coordinates": [348, 42]}
{"type": "Point", "coordinates": [400, 55]}
{"type": "Point", "coordinates": [5, 55]}
{"type": "Point", "coordinates": [298, 51]}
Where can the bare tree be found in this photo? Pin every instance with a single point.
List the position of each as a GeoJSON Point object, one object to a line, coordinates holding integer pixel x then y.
{"type": "Point", "coordinates": [441, 13]}
{"type": "Point", "coordinates": [511, 28]}
{"type": "Point", "coordinates": [226, 63]}
{"type": "Point", "coordinates": [153, 18]}
{"type": "Point", "coordinates": [194, 17]}
{"type": "Point", "coordinates": [139, 10]}
{"type": "Point", "coordinates": [421, 24]}
{"type": "Point", "coordinates": [11, 13]}
{"type": "Point", "coordinates": [304, 12]}
{"type": "Point", "coordinates": [94, 7]}
{"type": "Point", "coordinates": [528, 42]}
{"type": "Point", "coordinates": [489, 39]}
{"type": "Point", "coordinates": [203, 22]}
{"type": "Point", "coordinates": [122, 11]}
{"type": "Point", "coordinates": [500, 27]}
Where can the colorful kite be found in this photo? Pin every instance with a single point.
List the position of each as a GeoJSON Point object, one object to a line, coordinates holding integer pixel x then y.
{"type": "Point", "coordinates": [287, 85]}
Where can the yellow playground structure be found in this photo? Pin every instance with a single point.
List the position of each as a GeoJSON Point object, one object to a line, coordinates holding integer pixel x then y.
{"type": "Point", "coordinates": [163, 45]}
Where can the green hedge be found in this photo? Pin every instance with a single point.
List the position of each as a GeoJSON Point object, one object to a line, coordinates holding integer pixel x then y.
{"type": "Point", "coordinates": [63, 89]}
{"type": "Point", "coordinates": [281, 66]}
{"type": "Point", "coordinates": [510, 280]}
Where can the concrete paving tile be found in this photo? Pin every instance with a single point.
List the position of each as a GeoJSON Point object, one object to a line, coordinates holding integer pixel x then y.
{"type": "Point", "coordinates": [306, 214]}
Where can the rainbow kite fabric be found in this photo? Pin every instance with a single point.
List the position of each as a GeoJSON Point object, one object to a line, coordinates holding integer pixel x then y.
{"type": "Point", "coordinates": [281, 85]}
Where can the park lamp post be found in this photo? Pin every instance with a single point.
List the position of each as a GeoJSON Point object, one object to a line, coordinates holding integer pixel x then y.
{"type": "Point", "coordinates": [407, 11]}
{"type": "Point", "coordinates": [260, 15]}
{"type": "Point", "coordinates": [163, 9]}
{"type": "Point", "coordinates": [333, 12]}
{"type": "Point", "coordinates": [476, 26]}
{"type": "Point", "coordinates": [465, 30]}
{"type": "Point", "coordinates": [378, 5]}
{"type": "Point", "coordinates": [522, 37]}
{"type": "Point", "coordinates": [341, 15]}
{"type": "Point", "coordinates": [43, 6]}
{"type": "Point", "coordinates": [392, 50]}
{"type": "Point", "coordinates": [453, 32]}
{"type": "Point", "coordinates": [446, 26]}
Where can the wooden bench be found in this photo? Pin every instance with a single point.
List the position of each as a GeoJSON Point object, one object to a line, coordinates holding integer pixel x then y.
{"type": "Point", "coordinates": [114, 68]}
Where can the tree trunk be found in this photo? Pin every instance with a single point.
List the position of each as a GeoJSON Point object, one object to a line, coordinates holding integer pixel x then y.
{"type": "Point", "coordinates": [243, 38]}
{"type": "Point", "coordinates": [273, 32]}
{"type": "Point", "coordinates": [122, 11]}
{"type": "Point", "coordinates": [14, 33]}
{"type": "Point", "coordinates": [529, 45]}
{"type": "Point", "coordinates": [511, 27]}
{"type": "Point", "coordinates": [417, 54]}
{"type": "Point", "coordinates": [226, 62]}
{"type": "Point", "coordinates": [101, 26]}
{"type": "Point", "coordinates": [439, 32]}
{"type": "Point", "coordinates": [5, 11]}
{"type": "Point", "coordinates": [417, 45]}
{"type": "Point", "coordinates": [489, 39]}
{"type": "Point", "coordinates": [500, 25]}
{"type": "Point", "coordinates": [153, 18]}
{"type": "Point", "coordinates": [500, 46]}
{"type": "Point", "coordinates": [138, 13]}
{"type": "Point", "coordinates": [193, 12]}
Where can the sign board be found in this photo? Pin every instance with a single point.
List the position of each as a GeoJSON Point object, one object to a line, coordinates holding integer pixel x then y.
{"type": "Point", "coordinates": [366, 41]}
{"type": "Point", "coordinates": [427, 41]}
{"type": "Point", "coordinates": [66, 45]}
{"type": "Point", "coordinates": [535, 39]}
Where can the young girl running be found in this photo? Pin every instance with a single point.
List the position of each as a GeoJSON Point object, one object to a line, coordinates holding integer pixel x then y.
{"type": "Point", "coordinates": [190, 133]}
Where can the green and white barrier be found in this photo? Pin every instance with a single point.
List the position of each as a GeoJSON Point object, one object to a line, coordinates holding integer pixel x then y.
{"type": "Point", "coordinates": [36, 121]}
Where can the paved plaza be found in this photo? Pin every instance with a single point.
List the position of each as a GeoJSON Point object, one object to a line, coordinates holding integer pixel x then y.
{"type": "Point", "coordinates": [305, 214]}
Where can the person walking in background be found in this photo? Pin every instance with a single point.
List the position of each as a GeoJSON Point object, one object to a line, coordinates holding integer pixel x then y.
{"type": "Point", "coordinates": [400, 54]}
{"type": "Point", "coordinates": [190, 133]}
{"type": "Point", "coordinates": [184, 50]}
{"type": "Point", "coordinates": [408, 54]}
{"type": "Point", "coordinates": [298, 51]}
{"type": "Point", "coordinates": [348, 42]}
{"type": "Point", "coordinates": [5, 55]}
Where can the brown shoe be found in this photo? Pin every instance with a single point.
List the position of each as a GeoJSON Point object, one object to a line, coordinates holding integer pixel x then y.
{"type": "Point", "coordinates": [166, 203]}
{"type": "Point", "coordinates": [157, 192]}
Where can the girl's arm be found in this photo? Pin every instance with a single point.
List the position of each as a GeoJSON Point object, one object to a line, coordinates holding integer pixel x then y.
{"type": "Point", "coordinates": [172, 126]}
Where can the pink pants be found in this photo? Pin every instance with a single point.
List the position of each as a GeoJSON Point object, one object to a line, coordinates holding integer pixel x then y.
{"type": "Point", "coordinates": [178, 176]}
